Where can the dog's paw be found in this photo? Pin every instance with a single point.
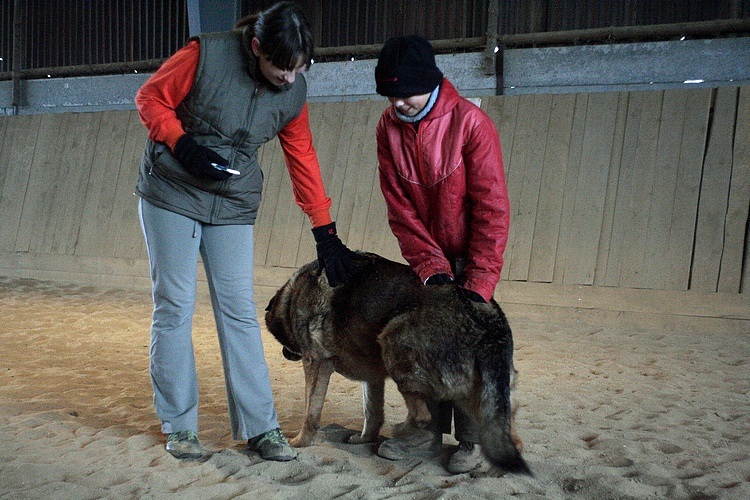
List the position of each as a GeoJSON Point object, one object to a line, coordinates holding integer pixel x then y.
{"type": "Point", "coordinates": [359, 439]}
{"type": "Point", "coordinates": [301, 440]}
{"type": "Point", "coordinates": [404, 430]}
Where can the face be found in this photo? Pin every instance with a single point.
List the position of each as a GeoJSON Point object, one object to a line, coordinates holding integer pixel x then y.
{"type": "Point", "coordinates": [410, 106]}
{"type": "Point", "coordinates": [276, 76]}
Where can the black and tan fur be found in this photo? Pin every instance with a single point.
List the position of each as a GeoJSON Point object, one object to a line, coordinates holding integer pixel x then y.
{"type": "Point", "coordinates": [431, 341]}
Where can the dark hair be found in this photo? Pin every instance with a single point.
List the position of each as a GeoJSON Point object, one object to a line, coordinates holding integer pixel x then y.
{"type": "Point", "coordinates": [283, 33]}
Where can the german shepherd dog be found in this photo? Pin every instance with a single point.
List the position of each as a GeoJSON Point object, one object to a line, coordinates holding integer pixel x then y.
{"type": "Point", "coordinates": [431, 340]}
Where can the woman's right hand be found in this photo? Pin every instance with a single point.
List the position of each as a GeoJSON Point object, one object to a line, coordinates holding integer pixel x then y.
{"type": "Point", "coordinates": [197, 159]}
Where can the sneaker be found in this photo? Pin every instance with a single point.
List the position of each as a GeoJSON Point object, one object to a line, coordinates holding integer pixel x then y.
{"type": "Point", "coordinates": [185, 446]}
{"type": "Point", "coordinates": [423, 444]}
{"type": "Point", "coordinates": [467, 458]}
{"type": "Point", "coordinates": [272, 446]}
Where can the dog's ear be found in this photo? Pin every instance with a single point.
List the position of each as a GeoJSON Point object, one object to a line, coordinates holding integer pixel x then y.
{"type": "Point", "coordinates": [317, 268]}
{"type": "Point", "coordinates": [272, 302]}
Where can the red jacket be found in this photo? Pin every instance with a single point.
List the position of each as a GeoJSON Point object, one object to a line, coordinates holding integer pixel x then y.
{"type": "Point", "coordinates": [444, 187]}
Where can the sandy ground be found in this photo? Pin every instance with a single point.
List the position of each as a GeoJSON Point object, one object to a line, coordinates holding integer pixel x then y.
{"type": "Point", "coordinates": [607, 412]}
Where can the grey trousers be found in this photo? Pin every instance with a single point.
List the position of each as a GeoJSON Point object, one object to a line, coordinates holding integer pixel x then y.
{"type": "Point", "coordinates": [174, 242]}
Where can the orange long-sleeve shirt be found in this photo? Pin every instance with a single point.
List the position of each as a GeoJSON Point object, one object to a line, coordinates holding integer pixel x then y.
{"type": "Point", "coordinates": [158, 98]}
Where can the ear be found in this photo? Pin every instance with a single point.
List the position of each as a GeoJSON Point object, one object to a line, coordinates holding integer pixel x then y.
{"type": "Point", "coordinates": [255, 45]}
{"type": "Point", "coordinates": [317, 268]}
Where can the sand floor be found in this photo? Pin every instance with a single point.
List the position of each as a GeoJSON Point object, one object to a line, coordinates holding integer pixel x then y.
{"type": "Point", "coordinates": [608, 411]}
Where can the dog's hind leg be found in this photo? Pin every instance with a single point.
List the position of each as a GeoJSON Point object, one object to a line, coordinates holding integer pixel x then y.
{"type": "Point", "coordinates": [317, 376]}
{"type": "Point", "coordinates": [373, 400]}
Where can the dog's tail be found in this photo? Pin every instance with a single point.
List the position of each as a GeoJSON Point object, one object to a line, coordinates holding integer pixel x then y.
{"type": "Point", "coordinates": [495, 366]}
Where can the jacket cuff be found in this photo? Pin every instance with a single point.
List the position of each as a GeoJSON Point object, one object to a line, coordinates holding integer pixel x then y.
{"type": "Point", "coordinates": [427, 269]}
{"type": "Point", "coordinates": [320, 217]}
{"type": "Point", "coordinates": [480, 286]}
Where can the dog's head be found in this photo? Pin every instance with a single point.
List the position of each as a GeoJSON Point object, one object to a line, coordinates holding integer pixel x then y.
{"type": "Point", "coordinates": [277, 315]}
{"type": "Point", "coordinates": [295, 305]}
{"type": "Point", "coordinates": [279, 328]}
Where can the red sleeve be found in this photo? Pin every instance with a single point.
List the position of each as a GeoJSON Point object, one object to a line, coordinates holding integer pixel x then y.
{"type": "Point", "coordinates": [304, 169]}
{"type": "Point", "coordinates": [490, 213]}
{"type": "Point", "coordinates": [157, 99]}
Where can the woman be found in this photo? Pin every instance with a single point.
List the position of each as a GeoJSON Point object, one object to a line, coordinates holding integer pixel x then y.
{"type": "Point", "coordinates": [208, 110]}
{"type": "Point", "coordinates": [441, 173]}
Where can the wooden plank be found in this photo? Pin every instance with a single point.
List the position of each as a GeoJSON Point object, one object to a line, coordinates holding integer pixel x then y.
{"type": "Point", "coordinates": [554, 169]}
{"type": "Point", "coordinates": [125, 229]}
{"type": "Point", "coordinates": [690, 165]}
{"type": "Point", "coordinates": [54, 198]}
{"type": "Point", "coordinates": [638, 166]}
{"type": "Point", "coordinates": [358, 119]}
{"type": "Point", "coordinates": [94, 237]}
{"type": "Point", "coordinates": [274, 189]}
{"type": "Point", "coordinates": [361, 174]}
{"type": "Point", "coordinates": [656, 264]}
{"type": "Point", "coordinates": [378, 236]}
{"type": "Point", "coordinates": [527, 204]}
{"type": "Point", "coordinates": [613, 179]}
{"type": "Point", "coordinates": [712, 208]}
{"type": "Point", "coordinates": [4, 121]}
{"type": "Point", "coordinates": [625, 185]}
{"type": "Point", "coordinates": [566, 243]}
{"type": "Point", "coordinates": [586, 223]}
{"type": "Point", "coordinates": [742, 157]}
{"type": "Point", "coordinates": [504, 112]}
{"type": "Point", "coordinates": [507, 126]}
{"type": "Point", "coordinates": [735, 239]}
{"type": "Point", "coordinates": [16, 157]}
{"type": "Point", "coordinates": [76, 157]}
{"type": "Point", "coordinates": [514, 180]}
{"type": "Point", "coordinates": [37, 203]}
{"type": "Point", "coordinates": [284, 211]}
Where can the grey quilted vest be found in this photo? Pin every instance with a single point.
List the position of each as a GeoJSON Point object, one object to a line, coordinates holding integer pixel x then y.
{"type": "Point", "coordinates": [225, 111]}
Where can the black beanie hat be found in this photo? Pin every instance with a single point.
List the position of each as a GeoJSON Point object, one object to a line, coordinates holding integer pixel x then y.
{"type": "Point", "coordinates": [406, 67]}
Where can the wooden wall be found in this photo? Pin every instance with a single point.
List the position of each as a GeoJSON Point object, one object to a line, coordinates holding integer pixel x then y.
{"type": "Point", "coordinates": [629, 190]}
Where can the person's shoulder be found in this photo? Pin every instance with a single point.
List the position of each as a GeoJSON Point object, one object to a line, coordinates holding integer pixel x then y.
{"type": "Point", "coordinates": [220, 39]}
{"type": "Point", "coordinates": [299, 87]}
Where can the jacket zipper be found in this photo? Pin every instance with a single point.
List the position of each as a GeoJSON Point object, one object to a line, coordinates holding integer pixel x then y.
{"type": "Point", "coordinates": [215, 206]}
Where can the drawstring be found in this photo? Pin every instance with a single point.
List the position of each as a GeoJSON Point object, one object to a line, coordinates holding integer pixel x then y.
{"type": "Point", "coordinates": [195, 228]}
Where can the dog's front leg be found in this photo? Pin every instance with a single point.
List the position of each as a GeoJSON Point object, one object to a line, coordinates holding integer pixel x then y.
{"type": "Point", "coordinates": [317, 375]}
{"type": "Point", "coordinates": [373, 400]}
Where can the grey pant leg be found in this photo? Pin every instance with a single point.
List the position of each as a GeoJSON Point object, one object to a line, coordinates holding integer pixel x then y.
{"type": "Point", "coordinates": [172, 241]}
{"type": "Point", "coordinates": [227, 253]}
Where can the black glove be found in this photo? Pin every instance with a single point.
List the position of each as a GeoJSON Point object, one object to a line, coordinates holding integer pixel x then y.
{"type": "Point", "coordinates": [338, 261]}
{"type": "Point", "coordinates": [471, 295]}
{"type": "Point", "coordinates": [197, 159]}
{"type": "Point", "coordinates": [439, 279]}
